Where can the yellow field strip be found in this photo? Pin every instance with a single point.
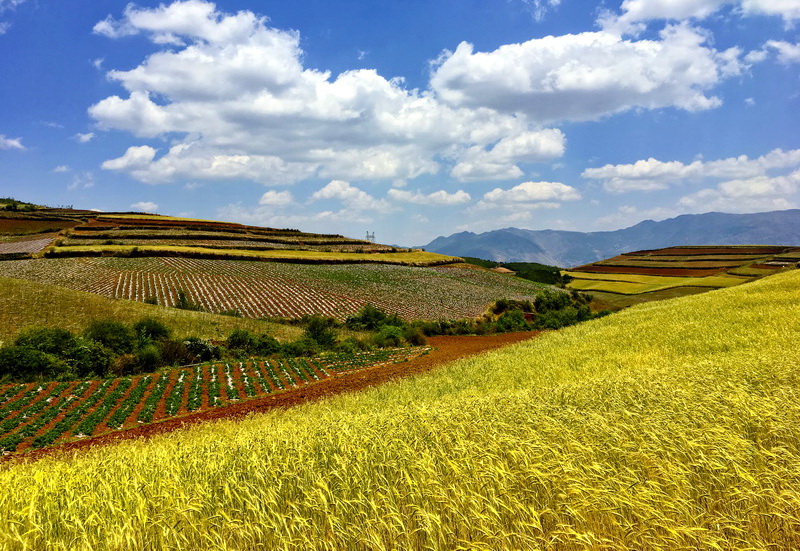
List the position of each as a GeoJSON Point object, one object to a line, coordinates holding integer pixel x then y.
{"type": "Point", "coordinates": [646, 263]}
{"type": "Point", "coordinates": [416, 258]}
{"type": "Point", "coordinates": [633, 284]}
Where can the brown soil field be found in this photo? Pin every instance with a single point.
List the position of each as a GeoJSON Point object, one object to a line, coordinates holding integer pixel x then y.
{"type": "Point", "coordinates": [14, 226]}
{"type": "Point", "coordinates": [719, 250]}
{"type": "Point", "coordinates": [655, 262]}
{"type": "Point", "coordinates": [445, 349]}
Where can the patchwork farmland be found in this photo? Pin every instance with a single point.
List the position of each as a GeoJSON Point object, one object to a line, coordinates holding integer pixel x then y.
{"type": "Point", "coordinates": [271, 289]}
{"type": "Point", "coordinates": [36, 415]}
{"type": "Point", "coordinates": [651, 274]}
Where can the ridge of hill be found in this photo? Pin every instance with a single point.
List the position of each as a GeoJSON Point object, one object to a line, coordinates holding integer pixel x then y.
{"type": "Point", "coordinates": [58, 233]}
{"type": "Point", "coordinates": [570, 248]}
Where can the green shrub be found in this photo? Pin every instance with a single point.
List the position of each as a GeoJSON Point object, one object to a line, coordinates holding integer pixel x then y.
{"type": "Point", "coordinates": [414, 336]}
{"type": "Point", "coordinates": [28, 364]}
{"type": "Point", "coordinates": [184, 303]}
{"type": "Point", "coordinates": [513, 320]}
{"type": "Point", "coordinates": [116, 336]}
{"type": "Point", "coordinates": [58, 342]}
{"type": "Point", "coordinates": [351, 345]}
{"type": "Point", "coordinates": [174, 352]}
{"type": "Point", "coordinates": [201, 350]}
{"type": "Point", "coordinates": [148, 359]}
{"type": "Point", "coordinates": [266, 345]}
{"type": "Point", "coordinates": [320, 330]}
{"type": "Point", "coordinates": [150, 329]}
{"type": "Point", "coordinates": [241, 339]}
{"type": "Point", "coordinates": [370, 318]}
{"type": "Point", "coordinates": [89, 358]}
{"type": "Point", "coordinates": [552, 300]}
{"type": "Point", "coordinates": [388, 335]}
{"type": "Point", "coordinates": [302, 347]}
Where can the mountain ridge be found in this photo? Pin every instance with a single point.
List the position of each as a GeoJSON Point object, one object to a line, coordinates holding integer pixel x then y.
{"type": "Point", "coordinates": [572, 248]}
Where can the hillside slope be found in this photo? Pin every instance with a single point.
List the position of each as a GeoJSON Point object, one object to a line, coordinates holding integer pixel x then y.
{"type": "Point", "coordinates": [672, 425]}
{"type": "Point", "coordinates": [641, 276]}
{"type": "Point", "coordinates": [567, 249]}
{"type": "Point", "coordinates": [270, 289]}
{"type": "Point", "coordinates": [27, 303]}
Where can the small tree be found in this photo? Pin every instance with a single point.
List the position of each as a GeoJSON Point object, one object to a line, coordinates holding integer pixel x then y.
{"type": "Point", "coordinates": [114, 335]}
{"type": "Point", "coordinates": [150, 329]}
{"type": "Point", "coordinates": [320, 330]}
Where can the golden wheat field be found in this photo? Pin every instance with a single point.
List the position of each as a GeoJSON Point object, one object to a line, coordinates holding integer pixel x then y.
{"type": "Point", "coordinates": [671, 425]}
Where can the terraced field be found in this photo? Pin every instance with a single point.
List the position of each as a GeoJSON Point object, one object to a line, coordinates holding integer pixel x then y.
{"type": "Point", "coordinates": [270, 289]}
{"type": "Point", "coordinates": [37, 415]}
{"type": "Point", "coordinates": [677, 269]}
{"type": "Point", "coordinates": [89, 234]}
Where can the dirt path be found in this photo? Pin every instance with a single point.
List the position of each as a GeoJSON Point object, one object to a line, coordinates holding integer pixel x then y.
{"type": "Point", "coordinates": [446, 349]}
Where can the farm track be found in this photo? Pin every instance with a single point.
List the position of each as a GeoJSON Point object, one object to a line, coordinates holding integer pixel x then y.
{"type": "Point", "coordinates": [445, 349]}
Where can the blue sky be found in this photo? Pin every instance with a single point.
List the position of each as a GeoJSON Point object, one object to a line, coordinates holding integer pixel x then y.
{"type": "Point", "coordinates": [410, 119]}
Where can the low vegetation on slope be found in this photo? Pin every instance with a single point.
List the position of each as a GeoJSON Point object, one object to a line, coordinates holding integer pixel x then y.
{"type": "Point", "coordinates": [672, 425]}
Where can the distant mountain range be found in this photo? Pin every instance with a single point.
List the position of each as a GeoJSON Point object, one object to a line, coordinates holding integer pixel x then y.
{"type": "Point", "coordinates": [570, 248]}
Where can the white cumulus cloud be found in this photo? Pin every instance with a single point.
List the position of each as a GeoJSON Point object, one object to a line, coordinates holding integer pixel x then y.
{"type": "Point", "coordinates": [760, 193]}
{"type": "Point", "coordinates": [635, 14]}
{"type": "Point", "coordinates": [11, 143]}
{"type": "Point", "coordinates": [529, 195]}
{"type": "Point", "coordinates": [235, 100]}
{"type": "Point", "coordinates": [276, 198]}
{"type": "Point", "coordinates": [586, 76]}
{"type": "Point", "coordinates": [84, 138]}
{"type": "Point", "coordinates": [652, 174]}
{"type": "Point", "coordinates": [353, 198]}
{"type": "Point", "coordinates": [436, 198]}
{"type": "Point", "coordinates": [787, 52]}
{"type": "Point", "coordinates": [145, 206]}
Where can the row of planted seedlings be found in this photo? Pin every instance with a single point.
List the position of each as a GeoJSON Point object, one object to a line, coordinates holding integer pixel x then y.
{"type": "Point", "coordinates": [37, 415]}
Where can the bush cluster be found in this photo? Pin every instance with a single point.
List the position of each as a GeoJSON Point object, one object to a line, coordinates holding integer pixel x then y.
{"type": "Point", "coordinates": [111, 348]}
{"type": "Point", "coordinates": [105, 348]}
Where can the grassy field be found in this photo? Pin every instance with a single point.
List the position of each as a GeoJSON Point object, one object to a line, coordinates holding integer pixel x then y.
{"type": "Point", "coordinates": [24, 303]}
{"type": "Point", "coordinates": [671, 425]}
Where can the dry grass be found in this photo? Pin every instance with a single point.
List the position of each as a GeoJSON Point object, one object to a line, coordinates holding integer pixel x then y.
{"type": "Point", "coordinates": [672, 425]}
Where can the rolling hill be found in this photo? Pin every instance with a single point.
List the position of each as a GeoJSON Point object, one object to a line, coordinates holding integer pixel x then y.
{"type": "Point", "coordinates": [673, 425]}
{"type": "Point", "coordinates": [568, 249]}
{"type": "Point", "coordinates": [643, 276]}
{"type": "Point", "coordinates": [248, 271]}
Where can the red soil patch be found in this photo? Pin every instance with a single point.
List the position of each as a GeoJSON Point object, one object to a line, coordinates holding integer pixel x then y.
{"type": "Point", "coordinates": [731, 249]}
{"type": "Point", "coordinates": [446, 349]}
